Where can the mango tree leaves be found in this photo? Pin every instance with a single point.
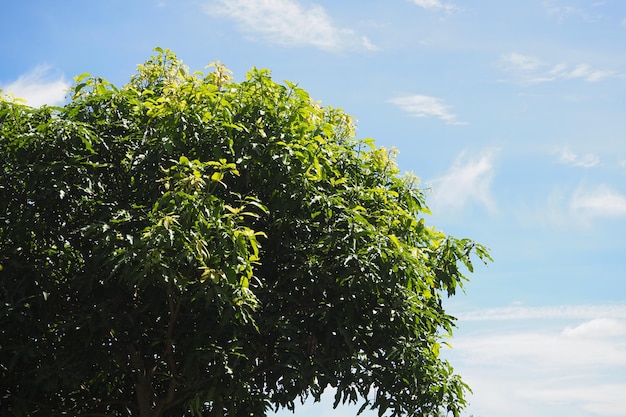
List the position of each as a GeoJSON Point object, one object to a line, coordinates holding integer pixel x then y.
{"type": "Point", "coordinates": [191, 245]}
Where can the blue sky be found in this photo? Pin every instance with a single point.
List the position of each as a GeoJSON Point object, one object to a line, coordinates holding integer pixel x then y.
{"type": "Point", "coordinates": [513, 114]}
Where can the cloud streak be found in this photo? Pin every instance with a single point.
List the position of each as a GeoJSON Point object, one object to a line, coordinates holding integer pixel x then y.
{"type": "Point", "coordinates": [584, 206]}
{"type": "Point", "coordinates": [38, 87]}
{"type": "Point", "coordinates": [568, 157]}
{"type": "Point", "coordinates": [436, 5]}
{"type": "Point", "coordinates": [467, 181]}
{"type": "Point", "coordinates": [426, 106]}
{"type": "Point", "coordinates": [288, 23]}
{"type": "Point", "coordinates": [601, 399]}
{"type": "Point", "coordinates": [599, 201]}
{"type": "Point", "coordinates": [561, 13]}
{"type": "Point", "coordinates": [547, 350]}
{"type": "Point", "coordinates": [555, 358]}
{"type": "Point", "coordinates": [583, 312]}
{"type": "Point", "coordinates": [531, 70]}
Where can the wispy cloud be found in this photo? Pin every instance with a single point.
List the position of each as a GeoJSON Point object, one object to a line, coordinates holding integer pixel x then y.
{"type": "Point", "coordinates": [531, 70]}
{"type": "Point", "coordinates": [566, 156]}
{"type": "Point", "coordinates": [519, 62]}
{"type": "Point", "coordinates": [601, 327]}
{"type": "Point", "coordinates": [287, 22]}
{"type": "Point", "coordinates": [599, 201]}
{"type": "Point", "coordinates": [467, 181]}
{"type": "Point", "coordinates": [38, 87]}
{"type": "Point", "coordinates": [547, 349]}
{"type": "Point", "coordinates": [546, 368]}
{"type": "Point", "coordinates": [436, 5]}
{"type": "Point", "coordinates": [426, 106]}
{"type": "Point", "coordinates": [583, 206]}
{"type": "Point", "coordinates": [600, 399]}
{"type": "Point", "coordinates": [561, 12]}
{"type": "Point", "coordinates": [561, 359]}
{"type": "Point", "coordinates": [617, 311]}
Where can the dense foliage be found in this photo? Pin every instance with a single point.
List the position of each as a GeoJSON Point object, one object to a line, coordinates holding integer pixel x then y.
{"type": "Point", "coordinates": [188, 245]}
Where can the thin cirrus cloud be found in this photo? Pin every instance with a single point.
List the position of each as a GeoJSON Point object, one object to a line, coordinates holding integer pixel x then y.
{"type": "Point", "coordinates": [598, 201]}
{"type": "Point", "coordinates": [617, 311]}
{"type": "Point", "coordinates": [600, 327]}
{"type": "Point", "coordinates": [38, 87]}
{"type": "Point", "coordinates": [436, 5]}
{"type": "Point", "coordinates": [600, 399]}
{"type": "Point", "coordinates": [549, 366]}
{"type": "Point", "coordinates": [426, 106]}
{"type": "Point", "coordinates": [467, 181]}
{"type": "Point", "coordinates": [555, 357]}
{"type": "Point", "coordinates": [582, 345]}
{"type": "Point", "coordinates": [287, 22]}
{"type": "Point", "coordinates": [564, 11]}
{"type": "Point", "coordinates": [567, 157]}
{"type": "Point", "coordinates": [586, 205]}
{"type": "Point", "coordinates": [531, 70]}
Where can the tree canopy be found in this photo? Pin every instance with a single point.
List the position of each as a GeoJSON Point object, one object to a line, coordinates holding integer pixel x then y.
{"type": "Point", "coordinates": [189, 245]}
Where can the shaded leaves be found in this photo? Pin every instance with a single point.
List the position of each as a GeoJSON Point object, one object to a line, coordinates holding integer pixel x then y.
{"type": "Point", "coordinates": [187, 244]}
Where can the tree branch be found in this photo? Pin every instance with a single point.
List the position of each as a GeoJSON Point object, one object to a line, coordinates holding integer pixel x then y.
{"type": "Point", "coordinates": [143, 388]}
{"type": "Point", "coordinates": [168, 353]}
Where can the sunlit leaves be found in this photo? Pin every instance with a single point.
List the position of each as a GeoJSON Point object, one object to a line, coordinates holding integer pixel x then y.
{"type": "Point", "coordinates": [210, 246]}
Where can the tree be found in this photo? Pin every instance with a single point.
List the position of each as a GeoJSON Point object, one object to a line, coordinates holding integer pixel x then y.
{"type": "Point", "coordinates": [188, 245]}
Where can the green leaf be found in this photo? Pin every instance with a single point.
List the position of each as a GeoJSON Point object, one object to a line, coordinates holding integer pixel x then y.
{"type": "Point", "coordinates": [242, 248]}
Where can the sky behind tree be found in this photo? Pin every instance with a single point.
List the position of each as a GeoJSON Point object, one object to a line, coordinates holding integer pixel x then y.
{"type": "Point", "coordinates": [511, 113]}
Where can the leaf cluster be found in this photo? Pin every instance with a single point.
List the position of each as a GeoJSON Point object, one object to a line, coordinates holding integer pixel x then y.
{"type": "Point", "coordinates": [191, 245]}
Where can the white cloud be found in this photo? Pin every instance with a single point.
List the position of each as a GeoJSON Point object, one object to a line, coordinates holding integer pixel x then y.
{"type": "Point", "coordinates": [519, 62]}
{"type": "Point", "coordinates": [617, 311]}
{"type": "Point", "coordinates": [287, 22]}
{"type": "Point", "coordinates": [565, 360]}
{"type": "Point", "coordinates": [39, 87]}
{"type": "Point", "coordinates": [468, 180]}
{"type": "Point", "coordinates": [531, 70]}
{"type": "Point", "coordinates": [582, 71]}
{"type": "Point", "coordinates": [545, 350]}
{"type": "Point", "coordinates": [584, 206]}
{"type": "Point", "coordinates": [426, 106]}
{"type": "Point", "coordinates": [599, 201]}
{"type": "Point", "coordinates": [601, 399]}
{"type": "Point", "coordinates": [560, 12]}
{"type": "Point", "coordinates": [568, 157]}
{"type": "Point", "coordinates": [436, 5]}
{"type": "Point", "coordinates": [598, 328]}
